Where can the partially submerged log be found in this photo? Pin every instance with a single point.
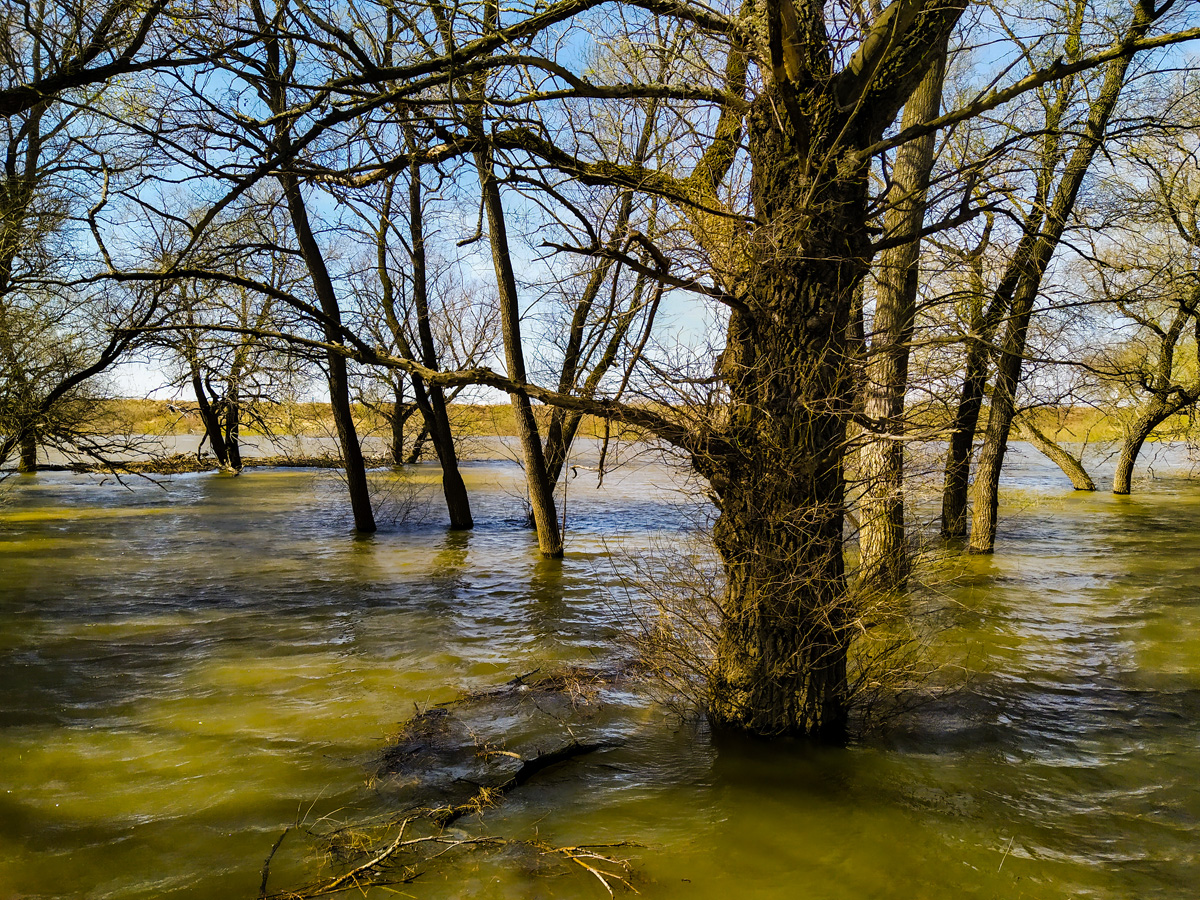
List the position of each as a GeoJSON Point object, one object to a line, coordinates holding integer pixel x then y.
{"type": "Point", "coordinates": [438, 770]}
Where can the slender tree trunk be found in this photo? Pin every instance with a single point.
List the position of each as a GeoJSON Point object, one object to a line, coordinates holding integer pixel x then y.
{"type": "Point", "coordinates": [541, 491]}
{"type": "Point", "coordinates": [1003, 408]}
{"type": "Point", "coordinates": [275, 48]}
{"type": "Point", "coordinates": [437, 419]}
{"type": "Point", "coordinates": [884, 551]}
{"type": "Point", "coordinates": [957, 484]}
{"type": "Point", "coordinates": [339, 379]}
{"type": "Point", "coordinates": [432, 403]}
{"type": "Point", "coordinates": [1071, 466]}
{"type": "Point", "coordinates": [29, 451]}
{"type": "Point", "coordinates": [559, 438]}
{"type": "Point", "coordinates": [418, 446]}
{"type": "Point", "coordinates": [1032, 269]}
{"type": "Point", "coordinates": [233, 416]}
{"type": "Point", "coordinates": [209, 418]}
{"type": "Point", "coordinates": [564, 424]}
{"type": "Point", "coordinates": [397, 422]}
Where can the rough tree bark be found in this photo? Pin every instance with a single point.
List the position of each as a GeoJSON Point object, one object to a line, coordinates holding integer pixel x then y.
{"type": "Point", "coordinates": [29, 451]}
{"type": "Point", "coordinates": [1155, 414]}
{"type": "Point", "coordinates": [779, 484]}
{"type": "Point", "coordinates": [885, 561]}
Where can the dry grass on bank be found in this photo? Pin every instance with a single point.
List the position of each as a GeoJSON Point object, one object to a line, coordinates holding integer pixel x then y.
{"type": "Point", "coordinates": [162, 417]}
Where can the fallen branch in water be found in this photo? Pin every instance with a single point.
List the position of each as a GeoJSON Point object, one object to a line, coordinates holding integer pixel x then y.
{"type": "Point", "coordinates": [487, 795]}
{"type": "Point", "coordinates": [266, 866]}
{"type": "Point", "coordinates": [411, 852]}
{"type": "Point", "coordinates": [579, 854]}
{"type": "Point", "coordinates": [373, 872]}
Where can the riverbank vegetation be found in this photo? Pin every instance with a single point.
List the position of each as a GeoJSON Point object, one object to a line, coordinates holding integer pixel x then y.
{"type": "Point", "coordinates": [127, 416]}
{"type": "Point", "coordinates": [784, 240]}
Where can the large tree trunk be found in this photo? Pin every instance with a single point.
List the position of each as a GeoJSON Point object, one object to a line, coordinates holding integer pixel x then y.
{"type": "Point", "coordinates": [885, 561]}
{"type": "Point", "coordinates": [782, 656]}
{"type": "Point", "coordinates": [789, 366]}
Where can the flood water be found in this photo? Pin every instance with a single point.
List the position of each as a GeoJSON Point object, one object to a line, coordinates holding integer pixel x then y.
{"type": "Point", "coordinates": [188, 668]}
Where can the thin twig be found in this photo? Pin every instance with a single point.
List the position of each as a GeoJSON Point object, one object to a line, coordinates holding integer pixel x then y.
{"type": "Point", "coordinates": [1006, 852]}
{"type": "Point", "coordinates": [266, 866]}
{"type": "Point", "coordinates": [370, 864]}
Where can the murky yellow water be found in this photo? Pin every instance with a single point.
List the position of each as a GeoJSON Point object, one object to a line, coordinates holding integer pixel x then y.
{"type": "Point", "coordinates": [187, 670]}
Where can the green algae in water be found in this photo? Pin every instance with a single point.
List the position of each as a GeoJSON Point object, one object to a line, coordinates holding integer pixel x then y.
{"type": "Point", "coordinates": [187, 675]}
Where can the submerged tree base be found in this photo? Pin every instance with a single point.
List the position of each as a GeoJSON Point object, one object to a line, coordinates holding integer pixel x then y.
{"type": "Point", "coordinates": [676, 619]}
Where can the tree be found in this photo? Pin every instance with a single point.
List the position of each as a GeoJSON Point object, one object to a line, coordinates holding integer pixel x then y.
{"type": "Point", "coordinates": [411, 316]}
{"type": "Point", "coordinates": [1155, 294]}
{"type": "Point", "coordinates": [1059, 178]}
{"type": "Point", "coordinates": [57, 334]}
{"type": "Point", "coordinates": [885, 559]}
{"type": "Point", "coordinates": [789, 279]}
{"type": "Point", "coordinates": [785, 105]}
{"type": "Point", "coordinates": [75, 45]}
